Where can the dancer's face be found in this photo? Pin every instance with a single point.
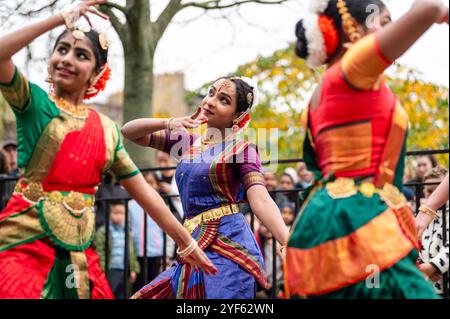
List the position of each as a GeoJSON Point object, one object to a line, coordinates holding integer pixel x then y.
{"type": "Point", "coordinates": [220, 105]}
{"type": "Point", "coordinates": [375, 22]}
{"type": "Point", "coordinates": [72, 65]}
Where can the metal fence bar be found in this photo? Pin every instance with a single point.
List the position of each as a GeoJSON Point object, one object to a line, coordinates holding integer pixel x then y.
{"type": "Point", "coordinates": [416, 186]}
{"type": "Point", "coordinates": [106, 243]}
{"type": "Point", "coordinates": [145, 261]}
{"type": "Point", "coordinates": [274, 268]}
{"type": "Point", "coordinates": [444, 239]}
{"type": "Point", "coordinates": [126, 269]}
{"type": "Point", "coordinates": [164, 261]}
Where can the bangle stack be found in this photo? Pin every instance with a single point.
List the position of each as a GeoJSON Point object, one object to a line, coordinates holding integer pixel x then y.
{"type": "Point", "coordinates": [188, 250]}
{"type": "Point", "coordinates": [168, 123]}
{"type": "Point", "coordinates": [429, 211]}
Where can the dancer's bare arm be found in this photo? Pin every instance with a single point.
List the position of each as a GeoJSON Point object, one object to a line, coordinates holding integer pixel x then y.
{"type": "Point", "coordinates": [397, 37]}
{"type": "Point", "coordinates": [12, 43]}
{"type": "Point", "coordinates": [139, 131]}
{"type": "Point", "coordinates": [152, 203]}
{"type": "Point", "coordinates": [268, 212]}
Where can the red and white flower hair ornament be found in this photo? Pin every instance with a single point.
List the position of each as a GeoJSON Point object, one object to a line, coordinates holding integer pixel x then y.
{"type": "Point", "coordinates": [317, 53]}
{"type": "Point", "coordinates": [318, 6]}
{"type": "Point", "coordinates": [321, 34]}
{"type": "Point", "coordinates": [99, 82]}
{"type": "Point", "coordinates": [243, 121]}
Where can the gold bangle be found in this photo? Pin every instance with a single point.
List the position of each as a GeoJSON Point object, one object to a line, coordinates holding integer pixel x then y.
{"type": "Point", "coordinates": [168, 123]}
{"type": "Point", "coordinates": [429, 211]}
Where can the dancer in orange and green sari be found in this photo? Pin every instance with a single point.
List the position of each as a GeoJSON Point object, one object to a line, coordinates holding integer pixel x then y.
{"type": "Point", "coordinates": [355, 236]}
{"type": "Point", "coordinates": [48, 225]}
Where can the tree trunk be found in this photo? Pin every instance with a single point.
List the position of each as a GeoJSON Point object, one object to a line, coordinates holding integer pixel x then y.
{"type": "Point", "coordinates": [139, 77]}
{"type": "Point", "coordinates": [138, 94]}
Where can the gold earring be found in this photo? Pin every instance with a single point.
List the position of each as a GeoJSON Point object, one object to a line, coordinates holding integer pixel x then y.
{"type": "Point", "coordinates": [235, 127]}
{"type": "Point", "coordinates": [92, 89]}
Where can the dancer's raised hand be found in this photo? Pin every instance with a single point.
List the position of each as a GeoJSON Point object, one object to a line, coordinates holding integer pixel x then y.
{"type": "Point", "coordinates": [440, 5]}
{"type": "Point", "coordinates": [74, 13]}
{"type": "Point", "coordinates": [188, 122]}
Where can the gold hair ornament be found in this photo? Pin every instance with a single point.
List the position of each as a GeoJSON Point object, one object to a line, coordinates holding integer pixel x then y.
{"type": "Point", "coordinates": [348, 23]}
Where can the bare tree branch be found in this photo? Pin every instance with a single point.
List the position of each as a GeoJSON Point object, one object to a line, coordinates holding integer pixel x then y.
{"type": "Point", "coordinates": [37, 11]}
{"type": "Point", "coordinates": [114, 19]}
{"type": "Point", "coordinates": [161, 24]}
{"type": "Point", "coordinates": [174, 6]}
{"type": "Point", "coordinates": [117, 6]}
{"type": "Point", "coordinates": [216, 4]}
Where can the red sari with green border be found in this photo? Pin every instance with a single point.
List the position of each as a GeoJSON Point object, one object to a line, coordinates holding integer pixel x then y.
{"type": "Point", "coordinates": [45, 245]}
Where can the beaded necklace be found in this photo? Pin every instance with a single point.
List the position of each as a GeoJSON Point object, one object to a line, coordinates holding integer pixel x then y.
{"type": "Point", "coordinates": [77, 111]}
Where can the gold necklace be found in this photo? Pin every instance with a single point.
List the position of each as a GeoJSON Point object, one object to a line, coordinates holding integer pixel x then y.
{"type": "Point", "coordinates": [206, 142]}
{"type": "Point", "coordinates": [77, 111]}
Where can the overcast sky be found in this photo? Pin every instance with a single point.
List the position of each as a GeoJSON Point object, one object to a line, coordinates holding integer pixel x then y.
{"type": "Point", "coordinates": [205, 46]}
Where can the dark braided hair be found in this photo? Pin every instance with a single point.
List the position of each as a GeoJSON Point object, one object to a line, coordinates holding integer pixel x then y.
{"type": "Point", "coordinates": [101, 55]}
{"type": "Point", "coordinates": [242, 91]}
{"type": "Point", "coordinates": [358, 11]}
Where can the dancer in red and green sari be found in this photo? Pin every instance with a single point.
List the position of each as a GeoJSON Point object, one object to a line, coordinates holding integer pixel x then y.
{"type": "Point", "coordinates": [48, 225]}
{"type": "Point", "coordinates": [355, 236]}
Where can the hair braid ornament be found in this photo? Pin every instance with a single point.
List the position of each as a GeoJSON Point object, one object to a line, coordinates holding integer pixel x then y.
{"type": "Point", "coordinates": [99, 82]}
{"type": "Point", "coordinates": [243, 121]}
{"type": "Point", "coordinates": [348, 23]}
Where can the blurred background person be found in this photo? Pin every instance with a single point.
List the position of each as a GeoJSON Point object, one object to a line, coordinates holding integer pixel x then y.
{"type": "Point", "coordinates": [266, 245]}
{"type": "Point", "coordinates": [155, 238]}
{"type": "Point", "coordinates": [424, 164]}
{"type": "Point", "coordinates": [8, 169]}
{"type": "Point", "coordinates": [433, 258]}
{"type": "Point", "coordinates": [168, 189]}
{"type": "Point", "coordinates": [10, 149]}
{"type": "Point", "coordinates": [167, 184]}
{"type": "Point", "coordinates": [109, 188]}
{"type": "Point", "coordinates": [306, 177]}
{"type": "Point", "coordinates": [287, 184]}
{"type": "Point", "coordinates": [4, 164]}
{"type": "Point", "coordinates": [116, 251]}
{"type": "Point", "coordinates": [288, 214]}
{"type": "Point", "coordinates": [272, 185]}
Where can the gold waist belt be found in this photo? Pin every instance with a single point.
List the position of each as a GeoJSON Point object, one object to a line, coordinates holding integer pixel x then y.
{"type": "Point", "coordinates": [73, 201]}
{"type": "Point", "coordinates": [210, 215]}
{"type": "Point", "coordinates": [346, 187]}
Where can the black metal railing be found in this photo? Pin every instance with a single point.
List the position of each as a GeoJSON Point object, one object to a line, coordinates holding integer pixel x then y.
{"type": "Point", "coordinates": [273, 292]}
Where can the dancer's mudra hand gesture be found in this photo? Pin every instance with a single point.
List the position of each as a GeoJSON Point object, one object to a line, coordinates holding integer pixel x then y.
{"type": "Point", "coordinates": [74, 13]}
{"type": "Point", "coordinates": [187, 122]}
{"type": "Point", "coordinates": [198, 259]}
